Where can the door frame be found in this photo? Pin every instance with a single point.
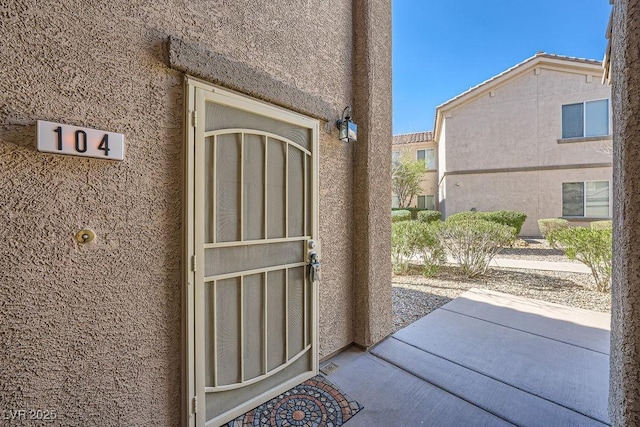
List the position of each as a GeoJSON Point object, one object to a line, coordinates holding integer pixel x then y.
{"type": "Point", "coordinates": [193, 415]}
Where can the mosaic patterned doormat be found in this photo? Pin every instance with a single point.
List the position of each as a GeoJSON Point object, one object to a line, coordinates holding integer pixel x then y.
{"type": "Point", "coordinates": [314, 403]}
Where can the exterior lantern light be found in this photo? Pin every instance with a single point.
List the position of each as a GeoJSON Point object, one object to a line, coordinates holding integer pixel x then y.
{"type": "Point", "coordinates": [348, 129]}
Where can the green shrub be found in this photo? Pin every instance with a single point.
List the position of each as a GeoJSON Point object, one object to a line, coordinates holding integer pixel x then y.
{"type": "Point", "coordinates": [463, 216]}
{"type": "Point", "coordinates": [402, 245]}
{"type": "Point", "coordinates": [512, 219]}
{"type": "Point", "coordinates": [414, 211]}
{"type": "Point", "coordinates": [400, 215]}
{"type": "Point", "coordinates": [429, 246]}
{"type": "Point", "coordinates": [410, 239]}
{"type": "Point", "coordinates": [474, 242]}
{"type": "Point", "coordinates": [591, 247]}
{"type": "Point", "coordinates": [601, 225]}
{"type": "Point", "coordinates": [548, 226]}
{"type": "Point", "coordinates": [429, 216]}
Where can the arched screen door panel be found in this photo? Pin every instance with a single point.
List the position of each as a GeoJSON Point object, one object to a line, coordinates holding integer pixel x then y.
{"type": "Point", "coordinates": [255, 203]}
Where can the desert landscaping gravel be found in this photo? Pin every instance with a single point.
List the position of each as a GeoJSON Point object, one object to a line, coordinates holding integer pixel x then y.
{"type": "Point", "coordinates": [415, 296]}
{"type": "Point", "coordinates": [534, 250]}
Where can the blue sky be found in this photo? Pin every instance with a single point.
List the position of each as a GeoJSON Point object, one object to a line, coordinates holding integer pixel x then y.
{"type": "Point", "coordinates": [441, 48]}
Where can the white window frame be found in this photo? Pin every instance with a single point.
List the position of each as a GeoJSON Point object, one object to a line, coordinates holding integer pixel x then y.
{"type": "Point", "coordinates": [584, 119]}
{"type": "Point", "coordinates": [584, 199]}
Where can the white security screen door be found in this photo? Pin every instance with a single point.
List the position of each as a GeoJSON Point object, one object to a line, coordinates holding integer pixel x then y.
{"type": "Point", "coordinates": [255, 221]}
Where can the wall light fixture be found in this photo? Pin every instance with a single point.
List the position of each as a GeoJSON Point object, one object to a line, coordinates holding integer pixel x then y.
{"type": "Point", "coordinates": [348, 129]}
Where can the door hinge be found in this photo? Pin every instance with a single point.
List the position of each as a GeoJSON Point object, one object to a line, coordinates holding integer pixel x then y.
{"type": "Point", "coordinates": [193, 119]}
{"type": "Point", "coordinates": [194, 405]}
{"type": "Point", "coordinates": [193, 263]}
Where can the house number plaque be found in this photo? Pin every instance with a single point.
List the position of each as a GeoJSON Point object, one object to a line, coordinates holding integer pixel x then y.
{"type": "Point", "coordinates": [58, 138]}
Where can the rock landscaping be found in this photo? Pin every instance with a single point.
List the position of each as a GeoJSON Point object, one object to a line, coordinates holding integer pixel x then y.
{"type": "Point", "coordinates": [415, 296]}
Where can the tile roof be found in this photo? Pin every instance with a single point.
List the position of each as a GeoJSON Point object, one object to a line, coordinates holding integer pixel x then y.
{"type": "Point", "coordinates": [408, 138]}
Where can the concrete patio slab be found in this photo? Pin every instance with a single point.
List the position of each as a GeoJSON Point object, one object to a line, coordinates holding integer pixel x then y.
{"type": "Point", "coordinates": [515, 360]}
{"type": "Point", "coordinates": [393, 397]}
{"type": "Point", "coordinates": [583, 328]}
{"type": "Point", "coordinates": [507, 402]}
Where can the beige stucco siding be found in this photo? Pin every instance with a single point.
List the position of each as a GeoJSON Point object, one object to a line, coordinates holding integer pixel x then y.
{"type": "Point", "coordinates": [94, 332]}
{"type": "Point", "coordinates": [473, 129]}
{"type": "Point", "coordinates": [557, 89]}
{"type": "Point", "coordinates": [442, 167]}
{"type": "Point", "coordinates": [536, 193]}
{"type": "Point", "coordinates": [624, 382]}
{"type": "Point", "coordinates": [519, 123]}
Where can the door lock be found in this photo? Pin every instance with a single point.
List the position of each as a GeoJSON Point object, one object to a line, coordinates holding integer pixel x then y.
{"type": "Point", "coordinates": [314, 267]}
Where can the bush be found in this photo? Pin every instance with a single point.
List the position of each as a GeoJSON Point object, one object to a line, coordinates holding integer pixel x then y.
{"type": "Point", "coordinates": [548, 226]}
{"type": "Point", "coordinates": [402, 247]}
{"type": "Point", "coordinates": [412, 238]}
{"type": "Point", "coordinates": [429, 216]}
{"type": "Point", "coordinates": [400, 215]}
{"type": "Point", "coordinates": [591, 247]}
{"type": "Point", "coordinates": [414, 211]}
{"type": "Point", "coordinates": [463, 216]}
{"type": "Point", "coordinates": [429, 246]}
{"type": "Point", "coordinates": [512, 219]}
{"type": "Point", "coordinates": [601, 225]}
{"type": "Point", "coordinates": [474, 242]}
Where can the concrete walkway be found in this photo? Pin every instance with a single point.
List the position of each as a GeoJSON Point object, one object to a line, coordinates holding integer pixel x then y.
{"type": "Point", "coordinates": [484, 359]}
{"type": "Point", "coordinates": [573, 267]}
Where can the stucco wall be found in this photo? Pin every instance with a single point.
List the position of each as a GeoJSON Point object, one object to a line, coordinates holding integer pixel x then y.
{"type": "Point", "coordinates": [94, 332]}
{"type": "Point", "coordinates": [523, 122]}
{"type": "Point", "coordinates": [624, 389]}
{"type": "Point", "coordinates": [373, 318]}
{"type": "Point", "coordinates": [536, 193]}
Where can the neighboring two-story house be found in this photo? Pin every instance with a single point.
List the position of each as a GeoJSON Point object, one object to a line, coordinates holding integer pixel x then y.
{"type": "Point", "coordinates": [419, 146]}
{"type": "Point", "coordinates": [535, 138]}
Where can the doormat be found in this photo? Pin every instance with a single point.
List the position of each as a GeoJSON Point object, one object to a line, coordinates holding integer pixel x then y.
{"type": "Point", "coordinates": [314, 403]}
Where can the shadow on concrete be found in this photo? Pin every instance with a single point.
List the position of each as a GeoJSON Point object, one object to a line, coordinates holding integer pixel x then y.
{"type": "Point", "coordinates": [485, 359]}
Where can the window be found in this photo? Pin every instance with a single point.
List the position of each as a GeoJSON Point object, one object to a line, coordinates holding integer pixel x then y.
{"type": "Point", "coordinates": [585, 119]}
{"type": "Point", "coordinates": [427, 202]}
{"type": "Point", "coordinates": [429, 157]}
{"type": "Point", "coordinates": [586, 199]}
{"type": "Point", "coordinates": [395, 157]}
{"type": "Point", "coordinates": [395, 203]}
